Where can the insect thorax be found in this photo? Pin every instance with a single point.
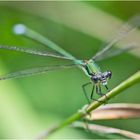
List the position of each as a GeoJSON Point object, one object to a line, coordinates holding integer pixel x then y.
{"type": "Point", "coordinates": [91, 67]}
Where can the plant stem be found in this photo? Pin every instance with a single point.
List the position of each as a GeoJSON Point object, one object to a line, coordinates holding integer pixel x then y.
{"type": "Point", "coordinates": [79, 114]}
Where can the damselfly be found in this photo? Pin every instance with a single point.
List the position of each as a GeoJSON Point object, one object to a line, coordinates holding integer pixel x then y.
{"type": "Point", "coordinates": [90, 67]}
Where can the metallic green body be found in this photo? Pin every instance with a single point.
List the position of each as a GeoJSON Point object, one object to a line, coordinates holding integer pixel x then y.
{"type": "Point", "coordinates": [93, 67]}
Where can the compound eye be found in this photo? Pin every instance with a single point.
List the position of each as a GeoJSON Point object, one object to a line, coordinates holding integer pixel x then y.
{"type": "Point", "coordinates": [95, 79]}
{"type": "Point", "coordinates": [109, 73]}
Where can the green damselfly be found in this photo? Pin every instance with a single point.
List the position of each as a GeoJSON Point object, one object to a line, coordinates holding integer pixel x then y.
{"type": "Point", "coordinates": [90, 67]}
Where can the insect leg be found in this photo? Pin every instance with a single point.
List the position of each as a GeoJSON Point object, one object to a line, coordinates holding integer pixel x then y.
{"type": "Point", "coordinates": [107, 88]}
{"type": "Point", "coordinates": [96, 89]}
{"type": "Point", "coordinates": [92, 92]}
{"type": "Point", "coordinates": [84, 90]}
{"type": "Point", "coordinates": [99, 92]}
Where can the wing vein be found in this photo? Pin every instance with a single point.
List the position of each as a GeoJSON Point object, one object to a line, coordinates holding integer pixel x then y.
{"type": "Point", "coordinates": [128, 27]}
{"type": "Point", "coordinates": [34, 71]}
{"type": "Point", "coordinates": [33, 52]}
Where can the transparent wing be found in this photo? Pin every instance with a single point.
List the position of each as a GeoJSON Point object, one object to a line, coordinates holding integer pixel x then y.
{"type": "Point", "coordinates": [34, 71]}
{"type": "Point", "coordinates": [33, 51]}
{"type": "Point", "coordinates": [21, 29]}
{"type": "Point", "coordinates": [133, 23]}
{"type": "Point", "coordinates": [117, 51]}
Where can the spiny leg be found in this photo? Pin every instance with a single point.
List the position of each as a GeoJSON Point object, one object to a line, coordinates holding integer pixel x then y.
{"type": "Point", "coordinates": [96, 89]}
{"type": "Point", "coordinates": [99, 92]}
{"type": "Point", "coordinates": [84, 90]}
{"type": "Point", "coordinates": [107, 91]}
{"type": "Point", "coordinates": [107, 88]}
{"type": "Point", "coordinates": [102, 93]}
{"type": "Point", "coordinates": [92, 92]}
{"type": "Point", "coordinates": [91, 97]}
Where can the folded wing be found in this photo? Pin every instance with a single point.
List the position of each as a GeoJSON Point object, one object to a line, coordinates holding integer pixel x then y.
{"type": "Point", "coordinates": [132, 24]}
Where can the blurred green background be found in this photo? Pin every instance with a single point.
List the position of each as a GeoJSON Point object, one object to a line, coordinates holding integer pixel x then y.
{"type": "Point", "coordinates": [28, 106]}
